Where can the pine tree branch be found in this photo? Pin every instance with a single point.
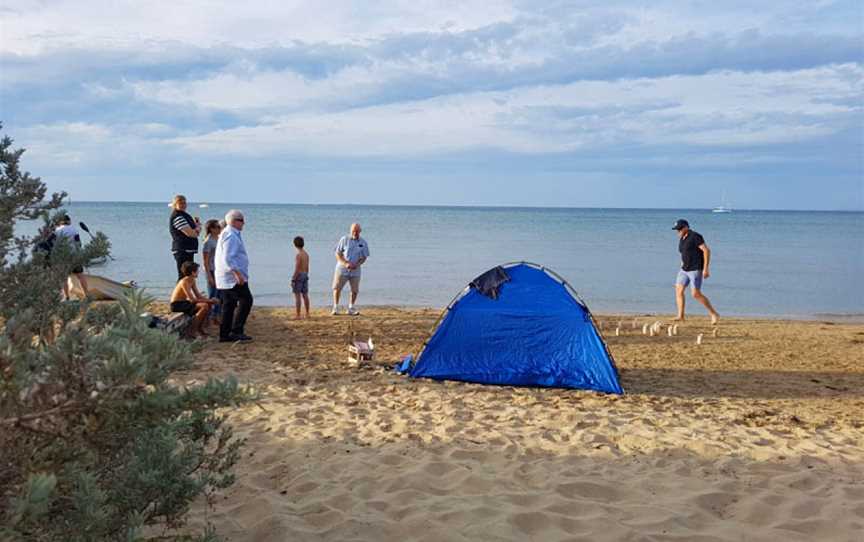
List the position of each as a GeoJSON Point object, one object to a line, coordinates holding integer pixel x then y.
{"type": "Point", "coordinates": [43, 432]}
{"type": "Point", "coordinates": [65, 407]}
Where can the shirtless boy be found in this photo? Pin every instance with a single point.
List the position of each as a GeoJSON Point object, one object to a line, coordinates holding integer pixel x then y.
{"type": "Point", "coordinates": [187, 299]}
{"type": "Point", "coordinates": [300, 279]}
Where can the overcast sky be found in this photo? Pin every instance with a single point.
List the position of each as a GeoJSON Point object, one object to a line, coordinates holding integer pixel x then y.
{"type": "Point", "coordinates": [491, 102]}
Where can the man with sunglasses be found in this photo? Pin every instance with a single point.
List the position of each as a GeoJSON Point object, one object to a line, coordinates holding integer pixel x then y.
{"type": "Point", "coordinates": [232, 279]}
{"type": "Point", "coordinates": [695, 267]}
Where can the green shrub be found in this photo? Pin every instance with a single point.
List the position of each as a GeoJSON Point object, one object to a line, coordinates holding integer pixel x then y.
{"type": "Point", "coordinates": [96, 441]}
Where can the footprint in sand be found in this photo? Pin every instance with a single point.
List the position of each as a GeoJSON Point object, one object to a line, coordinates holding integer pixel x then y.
{"type": "Point", "coordinates": [808, 482]}
{"type": "Point", "coordinates": [380, 506]}
{"type": "Point", "coordinates": [391, 460]}
{"type": "Point", "coordinates": [439, 469]}
{"type": "Point", "coordinates": [531, 523]}
{"type": "Point", "coordinates": [773, 500]}
{"type": "Point", "coordinates": [810, 527]}
{"type": "Point", "coordinates": [324, 519]}
{"type": "Point", "coordinates": [305, 487]}
{"type": "Point", "coordinates": [807, 508]}
{"type": "Point", "coordinates": [716, 503]}
{"type": "Point", "coordinates": [589, 491]}
{"type": "Point", "coordinates": [469, 455]}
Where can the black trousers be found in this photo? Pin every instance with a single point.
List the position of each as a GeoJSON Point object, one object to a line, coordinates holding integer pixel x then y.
{"type": "Point", "coordinates": [181, 258]}
{"type": "Point", "coordinates": [239, 299]}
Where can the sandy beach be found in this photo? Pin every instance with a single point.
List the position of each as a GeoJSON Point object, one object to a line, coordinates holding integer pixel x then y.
{"type": "Point", "coordinates": [757, 435]}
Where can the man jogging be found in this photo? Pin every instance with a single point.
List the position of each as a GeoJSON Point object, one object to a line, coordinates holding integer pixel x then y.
{"type": "Point", "coordinates": [695, 261]}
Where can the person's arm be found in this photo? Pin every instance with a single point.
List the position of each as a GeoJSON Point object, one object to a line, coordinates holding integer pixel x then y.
{"type": "Point", "coordinates": [339, 258]}
{"type": "Point", "coordinates": [208, 257]}
{"type": "Point", "coordinates": [296, 266]}
{"type": "Point", "coordinates": [181, 224]}
{"type": "Point", "coordinates": [232, 247]}
{"type": "Point", "coordinates": [706, 271]}
{"type": "Point", "coordinates": [199, 297]}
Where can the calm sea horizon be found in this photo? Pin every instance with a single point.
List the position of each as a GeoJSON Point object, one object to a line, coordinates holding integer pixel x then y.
{"type": "Point", "coordinates": [795, 264]}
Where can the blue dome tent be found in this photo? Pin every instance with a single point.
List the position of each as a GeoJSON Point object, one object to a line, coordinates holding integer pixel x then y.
{"type": "Point", "coordinates": [528, 327]}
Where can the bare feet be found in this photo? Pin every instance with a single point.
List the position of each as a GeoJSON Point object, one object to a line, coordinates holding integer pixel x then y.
{"type": "Point", "coordinates": [678, 319]}
{"type": "Point", "coordinates": [714, 319]}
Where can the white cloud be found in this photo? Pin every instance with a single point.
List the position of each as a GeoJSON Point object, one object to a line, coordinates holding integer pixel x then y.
{"type": "Point", "coordinates": [124, 83]}
{"type": "Point", "coordinates": [264, 91]}
{"type": "Point", "coordinates": [722, 109]}
{"type": "Point", "coordinates": [82, 145]}
{"type": "Point", "coordinates": [31, 27]}
{"type": "Point", "coordinates": [34, 26]}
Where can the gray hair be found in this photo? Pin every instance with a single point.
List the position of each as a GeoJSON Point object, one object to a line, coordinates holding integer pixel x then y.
{"type": "Point", "coordinates": [232, 214]}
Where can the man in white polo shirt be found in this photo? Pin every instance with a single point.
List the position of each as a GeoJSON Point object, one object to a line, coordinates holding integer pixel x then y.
{"type": "Point", "coordinates": [351, 253]}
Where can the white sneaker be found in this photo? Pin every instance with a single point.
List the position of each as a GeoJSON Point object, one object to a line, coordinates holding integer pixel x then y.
{"type": "Point", "coordinates": [353, 311]}
{"type": "Point", "coordinates": [335, 310]}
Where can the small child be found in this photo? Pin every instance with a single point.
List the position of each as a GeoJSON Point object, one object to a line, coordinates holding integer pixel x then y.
{"type": "Point", "coordinates": [187, 299]}
{"type": "Point", "coordinates": [300, 279]}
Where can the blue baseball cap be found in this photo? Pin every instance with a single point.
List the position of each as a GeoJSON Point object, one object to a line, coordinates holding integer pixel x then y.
{"type": "Point", "coordinates": [680, 224]}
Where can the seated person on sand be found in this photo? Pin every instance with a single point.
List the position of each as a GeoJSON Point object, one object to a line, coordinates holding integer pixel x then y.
{"type": "Point", "coordinates": [188, 300]}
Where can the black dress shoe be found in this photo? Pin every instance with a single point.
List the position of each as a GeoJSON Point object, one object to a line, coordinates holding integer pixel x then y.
{"type": "Point", "coordinates": [229, 339]}
{"type": "Point", "coordinates": [244, 338]}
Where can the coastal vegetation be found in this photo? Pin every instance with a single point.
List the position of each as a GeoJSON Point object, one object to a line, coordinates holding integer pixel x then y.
{"type": "Point", "coordinates": [98, 440]}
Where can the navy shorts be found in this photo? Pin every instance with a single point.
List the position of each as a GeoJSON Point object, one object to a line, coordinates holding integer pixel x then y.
{"type": "Point", "coordinates": [300, 285]}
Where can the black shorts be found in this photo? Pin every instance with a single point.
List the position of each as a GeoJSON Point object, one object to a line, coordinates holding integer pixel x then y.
{"type": "Point", "coordinates": [186, 307]}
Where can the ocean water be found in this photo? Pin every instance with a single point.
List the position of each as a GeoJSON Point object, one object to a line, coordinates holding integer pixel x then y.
{"type": "Point", "coordinates": [764, 263]}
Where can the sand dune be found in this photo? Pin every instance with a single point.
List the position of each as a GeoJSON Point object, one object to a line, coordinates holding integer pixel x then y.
{"type": "Point", "coordinates": [756, 434]}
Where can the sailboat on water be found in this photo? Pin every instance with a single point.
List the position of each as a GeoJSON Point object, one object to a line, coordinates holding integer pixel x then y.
{"type": "Point", "coordinates": [723, 207]}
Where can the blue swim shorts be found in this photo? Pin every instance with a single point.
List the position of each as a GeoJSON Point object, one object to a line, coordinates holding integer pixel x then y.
{"type": "Point", "coordinates": [685, 278]}
{"type": "Point", "coordinates": [300, 285]}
